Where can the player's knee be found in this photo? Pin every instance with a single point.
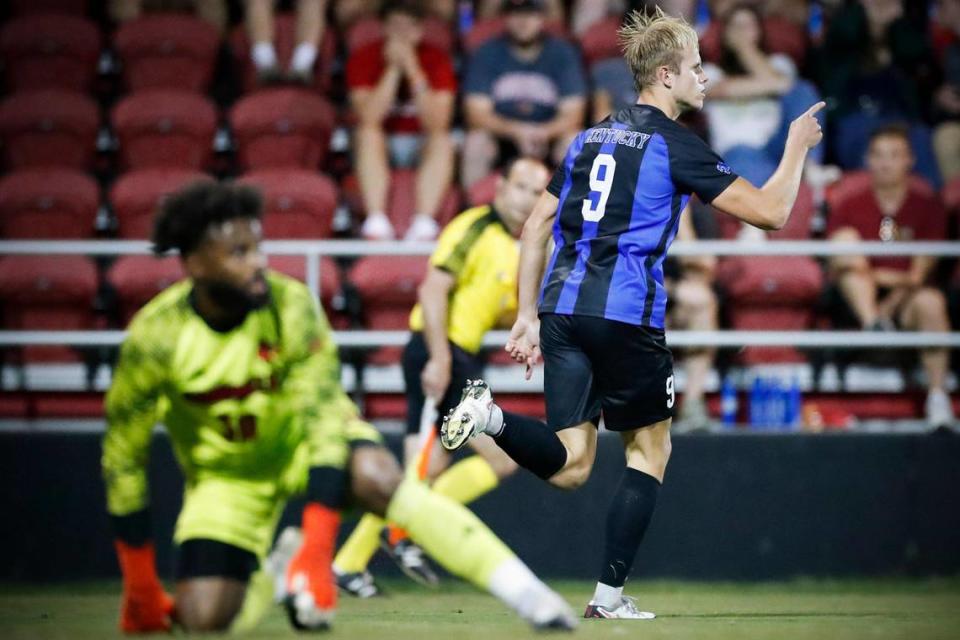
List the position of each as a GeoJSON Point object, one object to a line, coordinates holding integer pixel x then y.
{"type": "Point", "coordinates": [374, 477]}
{"type": "Point", "coordinates": [571, 477]}
{"type": "Point", "coordinates": [204, 614]}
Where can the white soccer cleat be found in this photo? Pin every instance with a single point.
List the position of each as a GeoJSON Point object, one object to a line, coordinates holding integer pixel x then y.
{"type": "Point", "coordinates": [279, 560]}
{"type": "Point", "coordinates": [551, 613]}
{"type": "Point", "coordinates": [469, 418]}
{"type": "Point", "coordinates": [625, 610]}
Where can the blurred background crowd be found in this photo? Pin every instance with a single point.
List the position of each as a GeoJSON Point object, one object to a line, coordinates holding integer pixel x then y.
{"type": "Point", "coordinates": [382, 120]}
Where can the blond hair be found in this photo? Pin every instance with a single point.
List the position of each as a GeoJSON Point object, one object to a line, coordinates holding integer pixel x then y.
{"type": "Point", "coordinates": [651, 41]}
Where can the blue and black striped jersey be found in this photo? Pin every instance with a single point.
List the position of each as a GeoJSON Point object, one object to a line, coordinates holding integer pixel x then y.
{"type": "Point", "coordinates": [621, 188]}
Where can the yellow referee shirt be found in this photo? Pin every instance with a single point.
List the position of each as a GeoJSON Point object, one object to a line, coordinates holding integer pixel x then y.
{"type": "Point", "coordinates": [479, 252]}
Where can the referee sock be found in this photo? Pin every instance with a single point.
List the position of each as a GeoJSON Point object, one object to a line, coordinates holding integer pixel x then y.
{"type": "Point", "coordinates": [627, 520]}
{"type": "Point", "coordinates": [532, 444]}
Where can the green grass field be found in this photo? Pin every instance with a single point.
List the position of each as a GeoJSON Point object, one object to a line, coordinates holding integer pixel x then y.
{"type": "Point", "coordinates": [819, 610]}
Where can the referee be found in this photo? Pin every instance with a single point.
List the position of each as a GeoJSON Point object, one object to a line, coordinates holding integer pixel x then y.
{"type": "Point", "coordinates": [470, 288]}
{"type": "Point", "coordinates": [613, 209]}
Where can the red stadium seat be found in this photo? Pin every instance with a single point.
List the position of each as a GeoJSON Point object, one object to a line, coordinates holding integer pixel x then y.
{"type": "Point", "coordinates": [798, 227]}
{"type": "Point", "coordinates": [282, 128]}
{"type": "Point", "coordinates": [296, 267]}
{"type": "Point", "coordinates": [771, 293]}
{"type": "Point", "coordinates": [44, 292]}
{"type": "Point", "coordinates": [951, 195]}
{"type": "Point", "coordinates": [72, 7]}
{"type": "Point", "coordinates": [48, 203]}
{"type": "Point", "coordinates": [49, 127]}
{"type": "Point", "coordinates": [601, 41]}
{"type": "Point", "coordinates": [167, 52]}
{"type": "Point", "coordinates": [284, 41]}
{"type": "Point", "coordinates": [165, 128]}
{"type": "Point", "coordinates": [400, 200]}
{"type": "Point", "coordinates": [297, 203]}
{"type": "Point", "coordinates": [388, 290]}
{"type": "Point", "coordinates": [483, 190]}
{"type": "Point", "coordinates": [50, 51]}
{"type": "Point", "coordinates": [484, 30]}
{"type": "Point", "coordinates": [136, 196]}
{"type": "Point", "coordinates": [365, 31]}
{"type": "Point", "coordinates": [782, 36]}
{"type": "Point", "coordinates": [137, 279]}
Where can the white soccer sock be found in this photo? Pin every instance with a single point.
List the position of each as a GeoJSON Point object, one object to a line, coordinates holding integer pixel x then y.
{"type": "Point", "coordinates": [517, 586]}
{"type": "Point", "coordinates": [495, 424]}
{"type": "Point", "coordinates": [304, 55]}
{"type": "Point", "coordinates": [606, 596]}
{"type": "Point", "coordinates": [264, 56]}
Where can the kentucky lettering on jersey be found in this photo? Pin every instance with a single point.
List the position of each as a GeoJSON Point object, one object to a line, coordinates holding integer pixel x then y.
{"type": "Point", "coordinates": [621, 189]}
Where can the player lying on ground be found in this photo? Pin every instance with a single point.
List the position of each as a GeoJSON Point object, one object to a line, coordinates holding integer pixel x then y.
{"type": "Point", "coordinates": [613, 206]}
{"type": "Point", "coordinates": [240, 366]}
{"type": "Point", "coordinates": [470, 288]}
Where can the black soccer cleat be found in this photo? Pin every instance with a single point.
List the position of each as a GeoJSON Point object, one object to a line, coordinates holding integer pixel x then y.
{"type": "Point", "coordinates": [411, 559]}
{"type": "Point", "coordinates": [359, 584]}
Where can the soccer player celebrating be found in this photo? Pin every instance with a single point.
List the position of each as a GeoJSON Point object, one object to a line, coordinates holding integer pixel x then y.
{"type": "Point", "coordinates": [613, 206]}
{"type": "Point", "coordinates": [239, 364]}
{"type": "Point", "coordinates": [470, 288]}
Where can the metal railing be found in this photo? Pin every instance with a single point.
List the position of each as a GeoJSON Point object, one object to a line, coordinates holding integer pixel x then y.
{"type": "Point", "coordinates": [313, 250]}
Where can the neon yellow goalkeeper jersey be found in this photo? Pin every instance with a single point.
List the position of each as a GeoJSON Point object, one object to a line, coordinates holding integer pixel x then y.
{"type": "Point", "coordinates": [236, 404]}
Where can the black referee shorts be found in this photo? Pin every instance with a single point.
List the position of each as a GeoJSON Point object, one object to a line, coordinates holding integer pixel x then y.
{"type": "Point", "coordinates": [594, 365]}
{"type": "Point", "coordinates": [204, 558]}
{"type": "Point", "coordinates": [463, 366]}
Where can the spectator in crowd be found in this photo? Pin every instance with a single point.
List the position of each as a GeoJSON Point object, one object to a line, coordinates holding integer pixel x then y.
{"type": "Point", "coordinates": [754, 96]}
{"type": "Point", "coordinates": [882, 293]}
{"type": "Point", "coordinates": [876, 67]}
{"type": "Point", "coordinates": [348, 12]}
{"type": "Point", "coordinates": [946, 137]}
{"type": "Point", "coordinates": [693, 306]}
{"type": "Point", "coordinates": [553, 9]}
{"type": "Point", "coordinates": [525, 93]}
{"type": "Point", "coordinates": [406, 87]}
{"type": "Point", "coordinates": [213, 11]}
{"type": "Point", "coordinates": [311, 21]}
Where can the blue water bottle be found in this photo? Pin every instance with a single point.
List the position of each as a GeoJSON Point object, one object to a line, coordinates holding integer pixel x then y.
{"type": "Point", "coordinates": [794, 403]}
{"type": "Point", "coordinates": [758, 397]}
{"type": "Point", "coordinates": [729, 403]}
{"type": "Point", "coordinates": [465, 15]}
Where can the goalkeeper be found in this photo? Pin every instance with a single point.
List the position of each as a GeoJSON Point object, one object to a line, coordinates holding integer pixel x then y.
{"type": "Point", "coordinates": [239, 365]}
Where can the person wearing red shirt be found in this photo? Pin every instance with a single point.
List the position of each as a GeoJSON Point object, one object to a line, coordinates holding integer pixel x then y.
{"type": "Point", "coordinates": [884, 292]}
{"type": "Point", "coordinates": [403, 86]}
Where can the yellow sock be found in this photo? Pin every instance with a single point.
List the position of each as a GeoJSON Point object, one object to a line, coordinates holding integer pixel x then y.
{"type": "Point", "coordinates": [449, 532]}
{"type": "Point", "coordinates": [467, 480]}
{"type": "Point", "coordinates": [256, 602]}
{"type": "Point", "coordinates": [355, 554]}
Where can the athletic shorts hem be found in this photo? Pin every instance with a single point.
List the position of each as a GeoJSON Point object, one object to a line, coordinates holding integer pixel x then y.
{"type": "Point", "coordinates": [209, 558]}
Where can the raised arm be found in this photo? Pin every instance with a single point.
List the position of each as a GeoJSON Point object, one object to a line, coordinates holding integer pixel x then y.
{"type": "Point", "coordinates": [769, 206]}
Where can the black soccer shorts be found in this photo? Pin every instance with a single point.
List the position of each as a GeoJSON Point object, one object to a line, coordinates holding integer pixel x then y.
{"type": "Point", "coordinates": [463, 366]}
{"type": "Point", "coordinates": [594, 365]}
{"type": "Point", "coordinates": [205, 558]}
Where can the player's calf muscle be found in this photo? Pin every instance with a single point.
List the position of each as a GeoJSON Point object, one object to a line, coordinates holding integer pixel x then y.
{"type": "Point", "coordinates": [374, 477]}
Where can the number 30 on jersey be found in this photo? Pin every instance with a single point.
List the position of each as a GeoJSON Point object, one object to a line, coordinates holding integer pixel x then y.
{"type": "Point", "coordinates": [601, 180]}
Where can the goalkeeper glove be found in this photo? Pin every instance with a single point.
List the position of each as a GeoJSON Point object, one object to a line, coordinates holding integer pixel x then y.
{"type": "Point", "coordinates": [145, 605]}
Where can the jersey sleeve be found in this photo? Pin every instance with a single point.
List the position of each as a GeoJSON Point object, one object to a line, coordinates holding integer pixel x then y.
{"type": "Point", "coordinates": [696, 168]}
{"type": "Point", "coordinates": [453, 245]}
{"type": "Point", "coordinates": [311, 377]}
{"type": "Point", "coordinates": [132, 410]}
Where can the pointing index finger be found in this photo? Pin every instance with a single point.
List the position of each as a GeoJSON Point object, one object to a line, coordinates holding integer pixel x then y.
{"type": "Point", "coordinates": [815, 108]}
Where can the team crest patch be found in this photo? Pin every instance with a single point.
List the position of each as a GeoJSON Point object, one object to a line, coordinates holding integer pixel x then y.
{"type": "Point", "coordinates": [724, 168]}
